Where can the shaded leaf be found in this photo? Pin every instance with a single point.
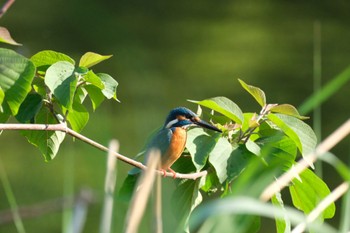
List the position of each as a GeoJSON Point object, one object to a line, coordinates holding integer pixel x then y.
{"type": "Point", "coordinates": [287, 109]}
{"type": "Point", "coordinates": [224, 106]}
{"type": "Point", "coordinates": [237, 162]}
{"type": "Point", "coordinates": [29, 108]}
{"type": "Point", "coordinates": [95, 94]}
{"type": "Point", "coordinates": [110, 86]}
{"type": "Point", "coordinates": [5, 37]}
{"type": "Point", "coordinates": [256, 92]}
{"type": "Point", "coordinates": [282, 224]}
{"type": "Point", "coordinates": [307, 194]}
{"type": "Point", "coordinates": [61, 81]}
{"type": "Point", "coordinates": [44, 59]}
{"type": "Point", "coordinates": [16, 76]}
{"type": "Point", "coordinates": [78, 116]}
{"type": "Point", "coordinates": [90, 59]}
{"type": "Point", "coordinates": [48, 142]}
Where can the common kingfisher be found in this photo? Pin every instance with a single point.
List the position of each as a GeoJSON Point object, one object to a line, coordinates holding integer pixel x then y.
{"type": "Point", "coordinates": [171, 139]}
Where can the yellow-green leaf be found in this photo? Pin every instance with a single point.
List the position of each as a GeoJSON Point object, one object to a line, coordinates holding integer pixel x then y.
{"type": "Point", "coordinates": [256, 92]}
{"type": "Point", "coordinates": [90, 59]}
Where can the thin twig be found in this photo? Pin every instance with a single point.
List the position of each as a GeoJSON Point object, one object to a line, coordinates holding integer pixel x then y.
{"type": "Point", "coordinates": [5, 7]}
{"type": "Point", "coordinates": [303, 163]}
{"type": "Point", "coordinates": [62, 127]}
{"type": "Point", "coordinates": [332, 197]}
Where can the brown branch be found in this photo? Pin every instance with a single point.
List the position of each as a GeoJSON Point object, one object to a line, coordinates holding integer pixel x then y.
{"type": "Point", "coordinates": [5, 7]}
{"type": "Point", "coordinates": [64, 128]}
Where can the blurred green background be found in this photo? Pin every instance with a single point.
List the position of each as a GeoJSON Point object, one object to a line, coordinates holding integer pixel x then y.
{"type": "Point", "coordinates": [166, 52]}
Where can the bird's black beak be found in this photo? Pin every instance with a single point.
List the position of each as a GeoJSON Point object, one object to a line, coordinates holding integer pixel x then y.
{"type": "Point", "coordinates": [206, 125]}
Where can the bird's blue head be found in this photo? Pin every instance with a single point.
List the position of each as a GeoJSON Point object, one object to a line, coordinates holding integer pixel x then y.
{"type": "Point", "coordinates": [183, 117]}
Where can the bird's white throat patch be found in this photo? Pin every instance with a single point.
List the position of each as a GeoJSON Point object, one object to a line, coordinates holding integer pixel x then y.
{"type": "Point", "coordinates": [171, 123]}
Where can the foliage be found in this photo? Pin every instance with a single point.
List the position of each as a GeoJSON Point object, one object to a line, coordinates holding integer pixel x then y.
{"type": "Point", "coordinates": [49, 88]}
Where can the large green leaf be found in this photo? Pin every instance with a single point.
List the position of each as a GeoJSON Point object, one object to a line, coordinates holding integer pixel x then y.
{"type": "Point", "coordinates": [90, 59]}
{"type": "Point", "coordinates": [256, 92]}
{"type": "Point", "coordinates": [224, 106]}
{"type": "Point", "coordinates": [307, 193]}
{"type": "Point", "coordinates": [301, 133]}
{"type": "Point", "coordinates": [29, 108]}
{"type": "Point", "coordinates": [199, 144]}
{"type": "Point", "coordinates": [48, 142]}
{"type": "Point", "coordinates": [78, 116]}
{"type": "Point", "coordinates": [46, 58]}
{"type": "Point", "coordinates": [5, 37]}
{"type": "Point", "coordinates": [61, 81]}
{"type": "Point", "coordinates": [110, 86]}
{"type": "Point", "coordinates": [16, 76]}
{"type": "Point", "coordinates": [219, 158]}
{"type": "Point", "coordinates": [237, 162]}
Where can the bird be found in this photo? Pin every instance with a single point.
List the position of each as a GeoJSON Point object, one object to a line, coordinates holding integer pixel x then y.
{"type": "Point", "coordinates": [170, 140]}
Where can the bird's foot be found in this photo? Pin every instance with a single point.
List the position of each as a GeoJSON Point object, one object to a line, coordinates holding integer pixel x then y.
{"type": "Point", "coordinates": [170, 170]}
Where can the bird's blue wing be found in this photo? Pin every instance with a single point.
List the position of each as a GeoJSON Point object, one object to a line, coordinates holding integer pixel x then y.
{"type": "Point", "coordinates": [161, 141]}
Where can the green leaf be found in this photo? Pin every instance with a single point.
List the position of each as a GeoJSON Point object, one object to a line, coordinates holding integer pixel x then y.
{"type": "Point", "coordinates": [92, 78]}
{"type": "Point", "coordinates": [219, 157]}
{"type": "Point", "coordinates": [48, 142]}
{"type": "Point", "coordinates": [306, 195]}
{"type": "Point", "coordinates": [78, 116]}
{"type": "Point", "coordinates": [237, 162]}
{"type": "Point", "coordinates": [282, 224]}
{"type": "Point", "coordinates": [301, 133]}
{"type": "Point", "coordinates": [325, 92]}
{"type": "Point", "coordinates": [29, 108]}
{"type": "Point", "coordinates": [61, 81]}
{"type": "Point", "coordinates": [253, 147]}
{"type": "Point", "coordinates": [5, 37]}
{"type": "Point", "coordinates": [16, 75]}
{"type": "Point", "coordinates": [199, 144]}
{"type": "Point", "coordinates": [44, 59]}
{"type": "Point", "coordinates": [95, 94]}
{"type": "Point", "coordinates": [224, 106]}
{"type": "Point", "coordinates": [256, 92]}
{"type": "Point", "coordinates": [90, 59]}
{"type": "Point", "coordinates": [110, 90]}
{"type": "Point", "coordinates": [185, 198]}
{"type": "Point", "coordinates": [287, 109]}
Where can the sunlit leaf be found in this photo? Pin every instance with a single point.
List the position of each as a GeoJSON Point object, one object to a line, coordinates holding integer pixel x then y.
{"type": "Point", "coordinates": [307, 194]}
{"type": "Point", "coordinates": [2, 96]}
{"type": "Point", "coordinates": [93, 79]}
{"type": "Point", "coordinates": [48, 142]}
{"type": "Point", "coordinates": [44, 59]}
{"type": "Point", "coordinates": [29, 108]}
{"type": "Point", "coordinates": [16, 75]}
{"type": "Point", "coordinates": [256, 92]}
{"type": "Point", "coordinates": [224, 106]}
{"type": "Point", "coordinates": [110, 86]}
{"type": "Point", "coordinates": [5, 37]}
{"type": "Point", "coordinates": [90, 59]}
{"type": "Point", "coordinates": [287, 109]}
{"type": "Point", "coordinates": [61, 81]}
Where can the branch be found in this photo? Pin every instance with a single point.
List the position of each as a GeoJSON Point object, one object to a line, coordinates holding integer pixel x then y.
{"type": "Point", "coordinates": [303, 163]}
{"type": "Point", "coordinates": [5, 7]}
{"type": "Point", "coordinates": [63, 128]}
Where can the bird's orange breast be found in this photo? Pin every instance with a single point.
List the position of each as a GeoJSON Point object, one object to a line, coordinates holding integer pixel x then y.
{"type": "Point", "coordinates": [176, 147]}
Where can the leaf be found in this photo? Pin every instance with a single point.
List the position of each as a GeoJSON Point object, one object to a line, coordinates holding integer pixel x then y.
{"type": "Point", "coordinates": [95, 94]}
{"type": "Point", "coordinates": [29, 108]}
{"type": "Point", "coordinates": [256, 92]}
{"type": "Point", "coordinates": [325, 92]}
{"type": "Point", "coordinates": [78, 116]}
{"type": "Point", "coordinates": [5, 37]}
{"type": "Point", "coordinates": [199, 144]}
{"type": "Point", "coordinates": [185, 198]}
{"type": "Point", "coordinates": [44, 59]}
{"type": "Point", "coordinates": [90, 59]}
{"type": "Point", "coordinates": [287, 109]}
{"type": "Point", "coordinates": [307, 194]}
{"type": "Point", "coordinates": [2, 96]}
{"type": "Point", "coordinates": [92, 78]}
{"type": "Point", "coordinates": [219, 157]}
{"type": "Point", "coordinates": [61, 81]}
{"type": "Point", "coordinates": [253, 147]}
{"type": "Point", "coordinates": [237, 162]}
{"type": "Point", "coordinates": [16, 76]}
{"type": "Point", "coordinates": [301, 133]}
{"type": "Point", "coordinates": [224, 106]}
{"type": "Point", "coordinates": [282, 224]}
{"type": "Point", "coordinates": [110, 90]}
{"type": "Point", "coordinates": [48, 142]}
